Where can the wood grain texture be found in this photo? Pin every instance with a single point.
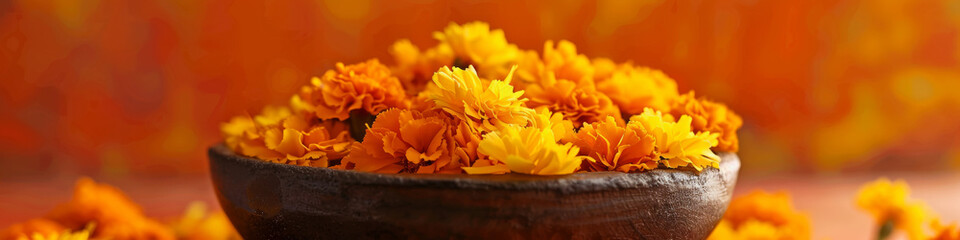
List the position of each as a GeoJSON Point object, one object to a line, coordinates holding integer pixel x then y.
{"type": "Point", "coordinates": [274, 201]}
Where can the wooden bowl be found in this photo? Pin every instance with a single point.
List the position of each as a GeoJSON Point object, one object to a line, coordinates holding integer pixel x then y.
{"type": "Point", "coordinates": [274, 201]}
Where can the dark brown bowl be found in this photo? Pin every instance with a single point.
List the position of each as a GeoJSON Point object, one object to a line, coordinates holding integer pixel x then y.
{"type": "Point", "coordinates": [275, 201]}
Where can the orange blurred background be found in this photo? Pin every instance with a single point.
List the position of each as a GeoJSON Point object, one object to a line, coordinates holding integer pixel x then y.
{"type": "Point", "coordinates": [110, 87]}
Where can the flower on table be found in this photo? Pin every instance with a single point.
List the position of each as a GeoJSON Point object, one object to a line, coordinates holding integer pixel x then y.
{"type": "Point", "coordinates": [366, 86]}
{"type": "Point", "coordinates": [890, 204]}
{"type": "Point", "coordinates": [762, 215]}
{"type": "Point", "coordinates": [197, 223]}
{"type": "Point", "coordinates": [115, 215]}
{"type": "Point", "coordinates": [709, 116]}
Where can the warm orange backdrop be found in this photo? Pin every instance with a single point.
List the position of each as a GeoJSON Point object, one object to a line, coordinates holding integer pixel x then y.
{"type": "Point", "coordinates": [117, 87]}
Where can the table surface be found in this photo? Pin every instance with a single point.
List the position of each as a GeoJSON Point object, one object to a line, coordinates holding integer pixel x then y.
{"type": "Point", "coordinates": [828, 199]}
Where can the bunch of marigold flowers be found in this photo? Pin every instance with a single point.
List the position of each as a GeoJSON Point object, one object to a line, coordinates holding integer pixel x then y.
{"type": "Point", "coordinates": [477, 104]}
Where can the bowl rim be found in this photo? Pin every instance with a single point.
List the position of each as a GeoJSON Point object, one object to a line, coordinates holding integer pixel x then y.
{"type": "Point", "coordinates": [576, 182]}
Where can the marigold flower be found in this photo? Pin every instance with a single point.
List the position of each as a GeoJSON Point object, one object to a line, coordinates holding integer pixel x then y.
{"type": "Point", "coordinates": [483, 106]}
{"type": "Point", "coordinates": [366, 86]}
{"type": "Point", "coordinates": [577, 102]}
{"type": "Point", "coordinates": [405, 141]}
{"type": "Point", "coordinates": [415, 68]}
{"type": "Point", "coordinates": [637, 88]}
{"type": "Point", "coordinates": [281, 136]}
{"type": "Point", "coordinates": [604, 68]}
{"type": "Point", "coordinates": [613, 146]}
{"type": "Point", "coordinates": [889, 202]}
{"type": "Point", "coordinates": [116, 216]}
{"type": "Point", "coordinates": [199, 224]}
{"type": "Point", "coordinates": [562, 128]}
{"type": "Point", "coordinates": [82, 234]}
{"type": "Point", "coordinates": [475, 44]}
{"type": "Point", "coordinates": [712, 117]}
{"type": "Point", "coordinates": [945, 232]}
{"type": "Point", "coordinates": [761, 215]}
{"type": "Point", "coordinates": [675, 143]}
{"type": "Point", "coordinates": [565, 63]}
{"type": "Point", "coordinates": [27, 229]}
{"type": "Point", "coordinates": [530, 150]}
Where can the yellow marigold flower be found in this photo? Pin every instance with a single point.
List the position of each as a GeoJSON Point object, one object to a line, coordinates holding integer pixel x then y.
{"type": "Point", "coordinates": [565, 63]}
{"type": "Point", "coordinates": [25, 230]}
{"type": "Point", "coordinates": [710, 116]}
{"type": "Point", "coordinates": [281, 136]}
{"type": "Point", "coordinates": [761, 215]}
{"type": "Point", "coordinates": [199, 224]}
{"type": "Point", "coordinates": [603, 68]}
{"type": "Point", "coordinates": [414, 68]}
{"type": "Point", "coordinates": [562, 128]}
{"type": "Point", "coordinates": [116, 216]}
{"type": "Point", "coordinates": [577, 102]}
{"type": "Point", "coordinates": [405, 141]}
{"type": "Point", "coordinates": [483, 106]}
{"type": "Point", "coordinates": [675, 143]}
{"type": "Point", "coordinates": [614, 146]}
{"type": "Point", "coordinates": [637, 88]}
{"type": "Point", "coordinates": [889, 202]}
{"type": "Point", "coordinates": [366, 86]}
{"type": "Point", "coordinates": [530, 150]}
{"type": "Point", "coordinates": [476, 44]}
{"type": "Point", "coordinates": [83, 234]}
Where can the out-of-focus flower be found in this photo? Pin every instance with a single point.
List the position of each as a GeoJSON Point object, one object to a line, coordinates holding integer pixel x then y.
{"type": "Point", "coordinates": [577, 102]}
{"type": "Point", "coordinates": [709, 116]}
{"type": "Point", "coordinates": [27, 229]}
{"type": "Point", "coordinates": [405, 141]}
{"type": "Point", "coordinates": [476, 44]}
{"type": "Point", "coordinates": [614, 146]}
{"type": "Point", "coordinates": [366, 86]}
{"type": "Point", "coordinates": [282, 136]}
{"type": "Point", "coordinates": [637, 88]}
{"type": "Point", "coordinates": [530, 150]}
{"type": "Point", "coordinates": [115, 215]}
{"type": "Point", "coordinates": [889, 202]}
{"type": "Point", "coordinates": [82, 234]}
{"type": "Point", "coordinates": [199, 224]}
{"type": "Point", "coordinates": [563, 61]}
{"type": "Point", "coordinates": [761, 215]}
{"type": "Point", "coordinates": [482, 106]}
{"type": "Point", "coordinates": [603, 68]}
{"type": "Point", "coordinates": [945, 232]}
{"type": "Point", "coordinates": [675, 143]}
{"type": "Point", "coordinates": [414, 68]}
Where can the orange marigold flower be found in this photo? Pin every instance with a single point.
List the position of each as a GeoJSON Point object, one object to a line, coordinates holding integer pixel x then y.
{"type": "Point", "coordinates": [414, 68]}
{"type": "Point", "coordinates": [366, 86]}
{"type": "Point", "coordinates": [405, 141]}
{"type": "Point", "coordinates": [199, 224]}
{"type": "Point", "coordinates": [115, 215]}
{"type": "Point", "coordinates": [603, 68]}
{"type": "Point", "coordinates": [761, 215]}
{"type": "Point", "coordinates": [483, 106]}
{"type": "Point", "coordinates": [281, 136]}
{"type": "Point", "coordinates": [613, 146]}
{"type": "Point", "coordinates": [945, 232]}
{"type": "Point", "coordinates": [577, 102]}
{"type": "Point", "coordinates": [530, 150]}
{"type": "Point", "coordinates": [27, 229]}
{"type": "Point", "coordinates": [565, 63]}
{"type": "Point", "coordinates": [476, 44]}
{"type": "Point", "coordinates": [889, 203]}
{"type": "Point", "coordinates": [710, 116]}
{"type": "Point", "coordinates": [637, 88]}
{"type": "Point", "coordinates": [82, 234]}
{"type": "Point", "coordinates": [675, 143]}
